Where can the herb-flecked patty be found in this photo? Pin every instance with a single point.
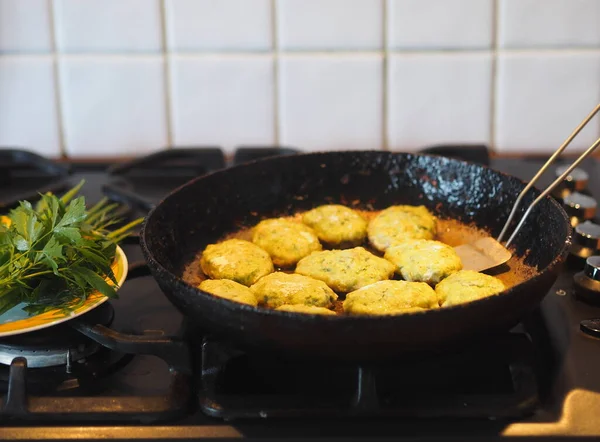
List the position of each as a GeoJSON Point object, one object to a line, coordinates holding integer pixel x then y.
{"type": "Point", "coordinates": [396, 224]}
{"type": "Point", "coordinates": [423, 260]}
{"type": "Point", "coordinates": [236, 259]}
{"type": "Point", "coordinates": [336, 225]}
{"type": "Point", "coordinates": [225, 288]}
{"type": "Point", "coordinates": [345, 270]}
{"type": "Point", "coordinates": [466, 286]}
{"type": "Point", "coordinates": [391, 298]}
{"type": "Point", "coordinates": [302, 308]}
{"type": "Point", "coordinates": [280, 288]}
{"type": "Point", "coordinates": [285, 240]}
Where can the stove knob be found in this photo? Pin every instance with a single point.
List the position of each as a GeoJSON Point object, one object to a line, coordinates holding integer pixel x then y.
{"type": "Point", "coordinates": [590, 327]}
{"type": "Point", "coordinates": [592, 268]}
{"type": "Point", "coordinates": [577, 180]}
{"type": "Point", "coordinates": [587, 282]}
{"type": "Point", "coordinates": [586, 240]}
{"type": "Point", "coordinates": [579, 207]}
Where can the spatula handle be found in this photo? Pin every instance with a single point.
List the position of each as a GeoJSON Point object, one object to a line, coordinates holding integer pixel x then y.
{"type": "Point", "coordinates": [540, 172]}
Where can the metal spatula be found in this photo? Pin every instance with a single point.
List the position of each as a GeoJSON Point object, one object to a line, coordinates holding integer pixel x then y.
{"type": "Point", "coordinates": [487, 253]}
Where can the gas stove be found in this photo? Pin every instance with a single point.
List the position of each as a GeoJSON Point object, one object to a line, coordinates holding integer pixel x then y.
{"type": "Point", "coordinates": [134, 368]}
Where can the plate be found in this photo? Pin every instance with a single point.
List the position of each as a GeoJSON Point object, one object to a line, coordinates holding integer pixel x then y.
{"type": "Point", "coordinates": [16, 321]}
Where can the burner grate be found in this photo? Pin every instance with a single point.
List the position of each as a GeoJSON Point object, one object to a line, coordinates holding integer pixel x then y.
{"type": "Point", "coordinates": [491, 381]}
{"type": "Point", "coordinates": [24, 175]}
{"type": "Point", "coordinates": [117, 351]}
{"type": "Point", "coordinates": [143, 182]}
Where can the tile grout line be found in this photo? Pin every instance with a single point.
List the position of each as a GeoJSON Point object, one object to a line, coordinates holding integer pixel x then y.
{"type": "Point", "coordinates": [311, 52]}
{"type": "Point", "coordinates": [276, 83]}
{"type": "Point", "coordinates": [385, 77]}
{"type": "Point", "coordinates": [166, 74]}
{"type": "Point", "coordinates": [56, 81]}
{"type": "Point", "coordinates": [494, 73]}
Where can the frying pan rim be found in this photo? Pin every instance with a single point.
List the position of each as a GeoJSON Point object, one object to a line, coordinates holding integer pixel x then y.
{"type": "Point", "coordinates": [309, 317]}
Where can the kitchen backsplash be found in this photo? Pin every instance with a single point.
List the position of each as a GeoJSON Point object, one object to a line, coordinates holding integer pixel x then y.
{"type": "Point", "coordinates": [92, 78]}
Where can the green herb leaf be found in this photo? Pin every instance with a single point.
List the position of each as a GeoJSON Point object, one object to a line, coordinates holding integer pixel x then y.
{"type": "Point", "coordinates": [21, 244]}
{"type": "Point", "coordinates": [50, 206]}
{"type": "Point", "coordinates": [52, 249]}
{"type": "Point", "coordinates": [34, 228]}
{"type": "Point", "coordinates": [71, 193]}
{"type": "Point", "coordinates": [96, 282]}
{"type": "Point", "coordinates": [19, 218]}
{"type": "Point", "coordinates": [74, 214]}
{"type": "Point", "coordinates": [68, 234]}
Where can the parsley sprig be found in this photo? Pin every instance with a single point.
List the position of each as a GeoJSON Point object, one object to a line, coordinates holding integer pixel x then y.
{"type": "Point", "coordinates": [55, 254]}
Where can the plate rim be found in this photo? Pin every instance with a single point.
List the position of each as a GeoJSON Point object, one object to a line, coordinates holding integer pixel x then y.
{"type": "Point", "coordinates": [122, 258]}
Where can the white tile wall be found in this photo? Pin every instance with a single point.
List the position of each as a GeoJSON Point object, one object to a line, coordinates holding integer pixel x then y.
{"type": "Point", "coordinates": [107, 25]}
{"type": "Point", "coordinates": [24, 26]}
{"type": "Point", "coordinates": [331, 103]}
{"type": "Point", "coordinates": [113, 105]}
{"type": "Point", "coordinates": [329, 24]}
{"type": "Point", "coordinates": [439, 98]}
{"type": "Point", "coordinates": [440, 24]}
{"type": "Point", "coordinates": [28, 116]}
{"type": "Point", "coordinates": [225, 100]}
{"type": "Point", "coordinates": [215, 25]}
{"type": "Point", "coordinates": [549, 23]}
{"type": "Point", "coordinates": [125, 77]}
{"type": "Point", "coordinates": [541, 98]}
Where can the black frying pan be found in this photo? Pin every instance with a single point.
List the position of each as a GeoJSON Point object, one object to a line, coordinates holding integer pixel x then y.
{"type": "Point", "coordinates": [203, 210]}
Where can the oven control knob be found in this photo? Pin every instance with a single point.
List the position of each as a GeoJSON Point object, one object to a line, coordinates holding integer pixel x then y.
{"type": "Point", "coordinates": [579, 207]}
{"type": "Point", "coordinates": [586, 241]}
{"type": "Point", "coordinates": [575, 181]}
{"type": "Point", "coordinates": [587, 282]}
{"type": "Point", "coordinates": [590, 327]}
{"type": "Point", "coordinates": [592, 267]}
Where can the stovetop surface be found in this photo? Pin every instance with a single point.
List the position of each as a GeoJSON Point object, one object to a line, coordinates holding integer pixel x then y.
{"type": "Point", "coordinates": [566, 361]}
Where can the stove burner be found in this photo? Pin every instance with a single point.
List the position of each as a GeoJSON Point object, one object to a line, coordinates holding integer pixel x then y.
{"type": "Point", "coordinates": [46, 357]}
{"type": "Point", "coordinates": [55, 346]}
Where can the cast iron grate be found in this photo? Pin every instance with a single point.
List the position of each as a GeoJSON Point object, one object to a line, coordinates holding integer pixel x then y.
{"type": "Point", "coordinates": [79, 399]}
{"type": "Point", "coordinates": [143, 182]}
{"type": "Point", "coordinates": [493, 380]}
{"type": "Point", "coordinates": [24, 175]}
